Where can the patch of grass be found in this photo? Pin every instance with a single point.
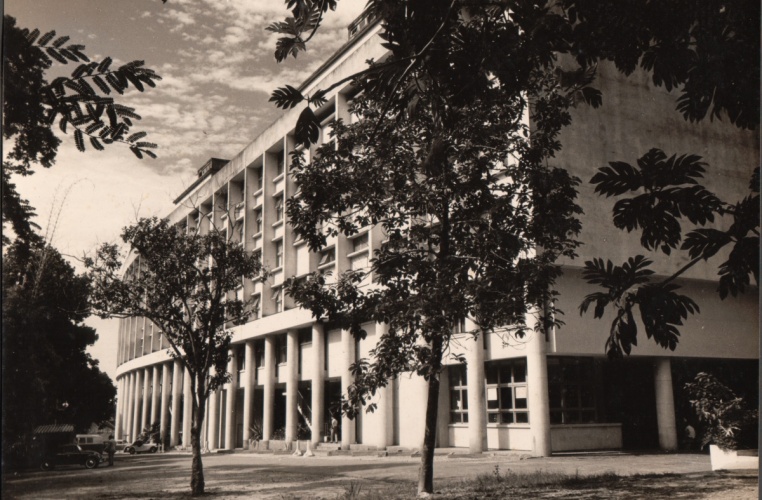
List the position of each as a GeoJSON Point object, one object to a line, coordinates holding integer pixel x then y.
{"type": "Point", "coordinates": [497, 478]}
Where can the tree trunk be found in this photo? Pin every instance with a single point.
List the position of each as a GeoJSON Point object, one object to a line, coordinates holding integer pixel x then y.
{"type": "Point", "coordinates": [197, 468]}
{"type": "Point", "coordinates": [426, 472]}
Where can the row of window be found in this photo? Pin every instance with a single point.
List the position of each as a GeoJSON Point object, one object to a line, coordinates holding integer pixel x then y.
{"type": "Point", "coordinates": [571, 391]}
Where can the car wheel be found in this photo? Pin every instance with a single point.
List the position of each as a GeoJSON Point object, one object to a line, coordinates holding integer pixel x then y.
{"type": "Point", "coordinates": [91, 463]}
{"type": "Point", "coordinates": [46, 465]}
{"type": "Point", "coordinates": [153, 449]}
{"type": "Point", "coordinates": [131, 451]}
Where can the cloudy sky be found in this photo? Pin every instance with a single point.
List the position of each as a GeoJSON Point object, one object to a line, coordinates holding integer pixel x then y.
{"type": "Point", "coordinates": [218, 69]}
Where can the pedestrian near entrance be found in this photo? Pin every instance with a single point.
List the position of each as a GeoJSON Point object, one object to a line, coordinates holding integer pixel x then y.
{"type": "Point", "coordinates": [334, 429]}
{"type": "Point", "coordinates": [689, 436]}
{"type": "Point", "coordinates": [111, 449]}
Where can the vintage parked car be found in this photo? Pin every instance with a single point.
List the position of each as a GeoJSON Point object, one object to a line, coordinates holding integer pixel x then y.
{"type": "Point", "coordinates": [71, 454]}
{"type": "Point", "coordinates": [141, 447]}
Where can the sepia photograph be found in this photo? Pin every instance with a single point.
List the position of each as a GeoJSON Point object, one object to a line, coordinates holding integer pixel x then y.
{"type": "Point", "coordinates": [380, 249]}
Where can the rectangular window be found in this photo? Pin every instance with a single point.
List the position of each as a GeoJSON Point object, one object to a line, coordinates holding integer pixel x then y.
{"type": "Point", "coordinates": [259, 353]}
{"type": "Point", "coordinates": [260, 179]}
{"type": "Point", "coordinates": [571, 391]}
{"type": "Point", "coordinates": [359, 262]}
{"type": "Point", "coordinates": [281, 164]}
{"type": "Point", "coordinates": [360, 243]}
{"type": "Point", "coordinates": [277, 298]}
{"type": "Point", "coordinates": [254, 307]}
{"type": "Point", "coordinates": [279, 253]}
{"type": "Point", "coordinates": [458, 395]}
{"type": "Point", "coordinates": [507, 392]}
{"type": "Point", "coordinates": [279, 208]}
{"type": "Point", "coordinates": [257, 221]}
{"type": "Point", "coordinates": [327, 256]}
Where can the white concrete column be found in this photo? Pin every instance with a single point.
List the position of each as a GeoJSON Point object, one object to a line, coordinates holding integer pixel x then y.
{"type": "Point", "coordinates": [665, 404]}
{"type": "Point", "coordinates": [347, 357]}
{"type": "Point", "coordinates": [136, 413]}
{"type": "Point", "coordinates": [164, 413]}
{"type": "Point", "coordinates": [187, 408]}
{"type": "Point", "coordinates": [119, 404]}
{"type": "Point", "coordinates": [268, 380]}
{"type": "Point", "coordinates": [146, 399]}
{"type": "Point", "coordinates": [383, 418]}
{"type": "Point", "coordinates": [129, 399]}
{"type": "Point", "coordinates": [213, 432]}
{"type": "Point", "coordinates": [248, 392]}
{"type": "Point", "coordinates": [443, 411]}
{"type": "Point", "coordinates": [477, 404]}
{"type": "Point", "coordinates": [537, 391]}
{"type": "Point", "coordinates": [292, 384]}
{"type": "Point", "coordinates": [318, 382]}
{"type": "Point", "coordinates": [177, 385]}
{"type": "Point", "coordinates": [205, 428]}
{"type": "Point", "coordinates": [155, 396]}
{"type": "Point", "coordinates": [232, 389]}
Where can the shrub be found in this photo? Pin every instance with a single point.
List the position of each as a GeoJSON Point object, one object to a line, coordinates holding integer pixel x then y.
{"type": "Point", "coordinates": [728, 423]}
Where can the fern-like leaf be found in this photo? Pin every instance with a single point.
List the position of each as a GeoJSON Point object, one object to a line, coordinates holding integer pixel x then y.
{"type": "Point", "coordinates": [286, 97]}
{"type": "Point", "coordinates": [79, 140]}
{"type": "Point", "coordinates": [60, 41]}
{"type": "Point", "coordinates": [44, 39]}
{"type": "Point", "coordinates": [136, 136]}
{"type": "Point", "coordinates": [101, 84]}
{"type": "Point", "coordinates": [103, 66]}
{"type": "Point", "coordinates": [307, 129]}
{"type": "Point", "coordinates": [55, 55]}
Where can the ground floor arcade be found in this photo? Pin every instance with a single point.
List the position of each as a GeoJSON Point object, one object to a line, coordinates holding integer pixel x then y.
{"type": "Point", "coordinates": [287, 386]}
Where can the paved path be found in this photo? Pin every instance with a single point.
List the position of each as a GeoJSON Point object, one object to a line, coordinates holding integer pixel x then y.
{"type": "Point", "coordinates": [248, 475]}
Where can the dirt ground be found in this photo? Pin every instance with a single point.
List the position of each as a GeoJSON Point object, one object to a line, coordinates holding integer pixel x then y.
{"type": "Point", "coordinates": [244, 476]}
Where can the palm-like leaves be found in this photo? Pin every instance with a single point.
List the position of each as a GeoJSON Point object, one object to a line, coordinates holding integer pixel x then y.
{"type": "Point", "coordinates": [662, 310]}
{"type": "Point", "coordinates": [671, 191]}
{"type": "Point", "coordinates": [83, 99]}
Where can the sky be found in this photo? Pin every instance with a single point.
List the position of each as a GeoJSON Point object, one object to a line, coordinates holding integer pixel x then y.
{"type": "Point", "coordinates": [217, 67]}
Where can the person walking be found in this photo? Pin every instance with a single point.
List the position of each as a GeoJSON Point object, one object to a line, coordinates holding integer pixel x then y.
{"type": "Point", "coordinates": [334, 429]}
{"type": "Point", "coordinates": [111, 449]}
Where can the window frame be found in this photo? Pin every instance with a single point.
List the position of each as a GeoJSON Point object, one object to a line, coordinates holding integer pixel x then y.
{"type": "Point", "coordinates": [504, 412]}
{"type": "Point", "coordinates": [458, 378]}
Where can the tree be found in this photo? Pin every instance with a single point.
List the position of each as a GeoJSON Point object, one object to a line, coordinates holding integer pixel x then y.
{"type": "Point", "coordinates": [444, 58]}
{"type": "Point", "coordinates": [47, 374]}
{"type": "Point", "coordinates": [182, 283]}
{"type": "Point", "coordinates": [474, 212]}
{"type": "Point", "coordinates": [81, 103]}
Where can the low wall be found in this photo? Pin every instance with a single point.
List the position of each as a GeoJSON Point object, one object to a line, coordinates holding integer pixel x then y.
{"type": "Point", "coordinates": [580, 437]}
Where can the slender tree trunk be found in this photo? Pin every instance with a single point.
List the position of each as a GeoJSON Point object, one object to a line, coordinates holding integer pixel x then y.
{"type": "Point", "coordinates": [426, 472]}
{"type": "Point", "coordinates": [197, 468]}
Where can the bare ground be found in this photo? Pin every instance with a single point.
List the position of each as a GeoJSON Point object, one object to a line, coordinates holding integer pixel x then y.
{"type": "Point", "coordinates": [244, 476]}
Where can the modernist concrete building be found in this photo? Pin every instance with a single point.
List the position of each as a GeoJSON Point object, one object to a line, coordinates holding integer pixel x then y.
{"type": "Point", "coordinates": [550, 393]}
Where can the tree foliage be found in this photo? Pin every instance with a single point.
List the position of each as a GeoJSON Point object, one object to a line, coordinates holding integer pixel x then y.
{"type": "Point", "coordinates": [474, 211]}
{"type": "Point", "coordinates": [183, 283]}
{"type": "Point", "coordinates": [728, 421]}
{"type": "Point", "coordinates": [47, 374]}
{"type": "Point", "coordinates": [445, 60]}
{"type": "Point", "coordinates": [82, 104]}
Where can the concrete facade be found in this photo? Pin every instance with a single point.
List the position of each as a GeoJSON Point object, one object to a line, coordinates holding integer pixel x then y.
{"type": "Point", "coordinates": [546, 393]}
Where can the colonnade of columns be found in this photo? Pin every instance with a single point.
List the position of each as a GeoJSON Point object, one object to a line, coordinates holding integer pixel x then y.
{"type": "Point", "coordinates": [141, 401]}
